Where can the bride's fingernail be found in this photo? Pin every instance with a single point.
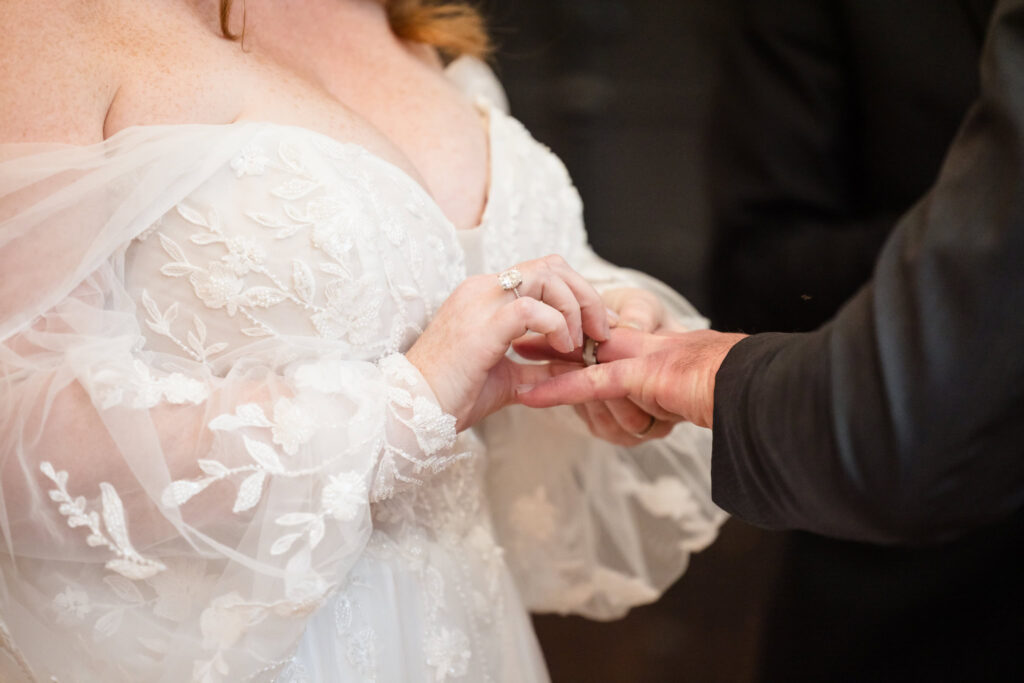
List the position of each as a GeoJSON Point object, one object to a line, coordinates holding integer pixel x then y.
{"type": "Point", "coordinates": [523, 388]}
{"type": "Point", "coordinates": [611, 320]}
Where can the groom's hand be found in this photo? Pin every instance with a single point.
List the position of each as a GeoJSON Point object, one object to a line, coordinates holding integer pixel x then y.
{"type": "Point", "coordinates": [672, 377]}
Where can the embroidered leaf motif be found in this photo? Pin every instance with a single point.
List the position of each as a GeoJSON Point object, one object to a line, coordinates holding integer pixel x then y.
{"type": "Point", "coordinates": [109, 623]}
{"type": "Point", "coordinates": [284, 543]}
{"type": "Point", "coordinates": [178, 269]}
{"type": "Point", "coordinates": [172, 248]}
{"type": "Point", "coordinates": [204, 238]}
{"type": "Point", "coordinates": [295, 188]}
{"type": "Point", "coordinates": [303, 281]}
{"type": "Point", "coordinates": [128, 562]}
{"type": "Point", "coordinates": [336, 269]}
{"type": "Point", "coordinates": [191, 215]}
{"type": "Point", "coordinates": [289, 157]}
{"type": "Point", "coordinates": [113, 515]}
{"type": "Point", "coordinates": [181, 491]}
{"type": "Point", "coordinates": [200, 326]}
{"type": "Point", "coordinates": [266, 220]}
{"type": "Point", "coordinates": [263, 454]}
{"type": "Point", "coordinates": [124, 589]}
{"type": "Point", "coordinates": [263, 297]}
{"type": "Point", "coordinates": [196, 344]}
{"type": "Point", "coordinates": [213, 468]}
{"type": "Point", "coordinates": [316, 532]}
{"type": "Point", "coordinates": [250, 492]}
{"type": "Point", "coordinates": [150, 305]}
{"type": "Point", "coordinates": [295, 518]}
{"type": "Point", "coordinates": [246, 415]}
{"type": "Point", "coordinates": [214, 349]}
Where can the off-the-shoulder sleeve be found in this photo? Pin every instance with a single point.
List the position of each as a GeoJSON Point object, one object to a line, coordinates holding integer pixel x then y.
{"type": "Point", "coordinates": [164, 517]}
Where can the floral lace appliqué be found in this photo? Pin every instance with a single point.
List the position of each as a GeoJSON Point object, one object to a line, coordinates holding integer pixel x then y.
{"type": "Point", "coordinates": [127, 561]}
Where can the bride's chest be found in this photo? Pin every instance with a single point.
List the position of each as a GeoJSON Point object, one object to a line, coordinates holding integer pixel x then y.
{"type": "Point", "coordinates": [301, 236]}
{"type": "Point", "coordinates": [391, 102]}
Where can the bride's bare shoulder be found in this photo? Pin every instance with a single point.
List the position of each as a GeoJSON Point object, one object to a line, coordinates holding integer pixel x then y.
{"type": "Point", "coordinates": [55, 80]}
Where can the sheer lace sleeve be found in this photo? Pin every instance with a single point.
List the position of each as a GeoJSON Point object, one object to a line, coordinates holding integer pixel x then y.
{"type": "Point", "coordinates": [167, 517]}
{"type": "Point", "coordinates": [589, 527]}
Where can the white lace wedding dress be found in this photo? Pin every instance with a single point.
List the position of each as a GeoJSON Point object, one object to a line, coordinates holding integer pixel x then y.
{"type": "Point", "coordinates": [217, 465]}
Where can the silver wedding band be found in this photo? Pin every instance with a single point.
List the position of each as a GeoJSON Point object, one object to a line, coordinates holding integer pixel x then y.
{"type": "Point", "coordinates": [589, 352]}
{"type": "Point", "coordinates": [510, 280]}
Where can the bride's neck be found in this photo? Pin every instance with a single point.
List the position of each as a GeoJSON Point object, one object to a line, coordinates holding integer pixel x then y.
{"type": "Point", "coordinates": [312, 37]}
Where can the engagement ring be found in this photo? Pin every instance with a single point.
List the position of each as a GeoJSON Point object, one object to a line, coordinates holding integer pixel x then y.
{"type": "Point", "coordinates": [510, 280]}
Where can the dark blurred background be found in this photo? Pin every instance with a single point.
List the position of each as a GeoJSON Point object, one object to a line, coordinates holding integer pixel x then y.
{"type": "Point", "coordinates": [827, 120]}
{"type": "Point", "coordinates": [621, 91]}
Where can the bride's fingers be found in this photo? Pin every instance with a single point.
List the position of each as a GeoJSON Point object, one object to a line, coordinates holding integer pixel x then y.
{"type": "Point", "coordinates": [605, 425]}
{"type": "Point", "coordinates": [593, 311]}
{"type": "Point", "coordinates": [637, 308]}
{"type": "Point", "coordinates": [584, 414]}
{"type": "Point", "coordinates": [624, 342]}
{"type": "Point", "coordinates": [526, 314]}
{"type": "Point", "coordinates": [599, 382]}
{"type": "Point", "coordinates": [628, 416]}
{"type": "Point", "coordinates": [641, 310]}
{"type": "Point", "coordinates": [654, 410]}
{"type": "Point", "coordinates": [557, 294]}
{"type": "Point", "coordinates": [535, 347]}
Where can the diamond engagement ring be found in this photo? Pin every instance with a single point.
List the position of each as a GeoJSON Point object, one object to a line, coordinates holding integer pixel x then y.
{"type": "Point", "coordinates": [510, 280]}
{"type": "Point", "coordinates": [589, 352]}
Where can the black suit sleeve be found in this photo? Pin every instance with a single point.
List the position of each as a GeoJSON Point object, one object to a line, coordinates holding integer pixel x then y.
{"type": "Point", "coordinates": [903, 418]}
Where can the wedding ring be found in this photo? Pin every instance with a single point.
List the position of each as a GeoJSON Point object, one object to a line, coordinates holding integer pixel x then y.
{"type": "Point", "coordinates": [510, 280]}
{"type": "Point", "coordinates": [646, 430]}
{"type": "Point", "coordinates": [589, 352]}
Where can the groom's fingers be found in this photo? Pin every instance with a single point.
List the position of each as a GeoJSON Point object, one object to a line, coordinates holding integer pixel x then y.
{"type": "Point", "coordinates": [598, 382]}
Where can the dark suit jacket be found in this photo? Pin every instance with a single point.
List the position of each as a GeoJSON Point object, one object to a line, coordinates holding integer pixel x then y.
{"type": "Point", "coordinates": [903, 418]}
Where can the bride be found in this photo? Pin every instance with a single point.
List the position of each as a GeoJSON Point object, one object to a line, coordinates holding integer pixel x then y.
{"type": "Point", "coordinates": [257, 410]}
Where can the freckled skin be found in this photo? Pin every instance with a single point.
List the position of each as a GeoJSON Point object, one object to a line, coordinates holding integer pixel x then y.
{"type": "Point", "coordinates": [78, 71]}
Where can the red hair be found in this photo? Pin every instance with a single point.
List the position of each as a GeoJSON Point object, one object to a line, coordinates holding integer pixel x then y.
{"type": "Point", "coordinates": [455, 28]}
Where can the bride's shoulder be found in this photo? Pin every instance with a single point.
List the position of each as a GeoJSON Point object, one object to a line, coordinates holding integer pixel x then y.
{"type": "Point", "coordinates": [55, 79]}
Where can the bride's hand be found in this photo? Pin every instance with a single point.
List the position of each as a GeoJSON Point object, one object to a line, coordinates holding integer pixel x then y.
{"type": "Point", "coordinates": [640, 309]}
{"type": "Point", "coordinates": [461, 354]}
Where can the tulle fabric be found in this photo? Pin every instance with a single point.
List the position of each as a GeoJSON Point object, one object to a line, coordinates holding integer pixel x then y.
{"type": "Point", "coordinates": [589, 527]}
{"type": "Point", "coordinates": [160, 521]}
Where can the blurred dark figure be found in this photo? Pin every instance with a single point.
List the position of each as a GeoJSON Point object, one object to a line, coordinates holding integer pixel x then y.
{"type": "Point", "coordinates": [832, 118]}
